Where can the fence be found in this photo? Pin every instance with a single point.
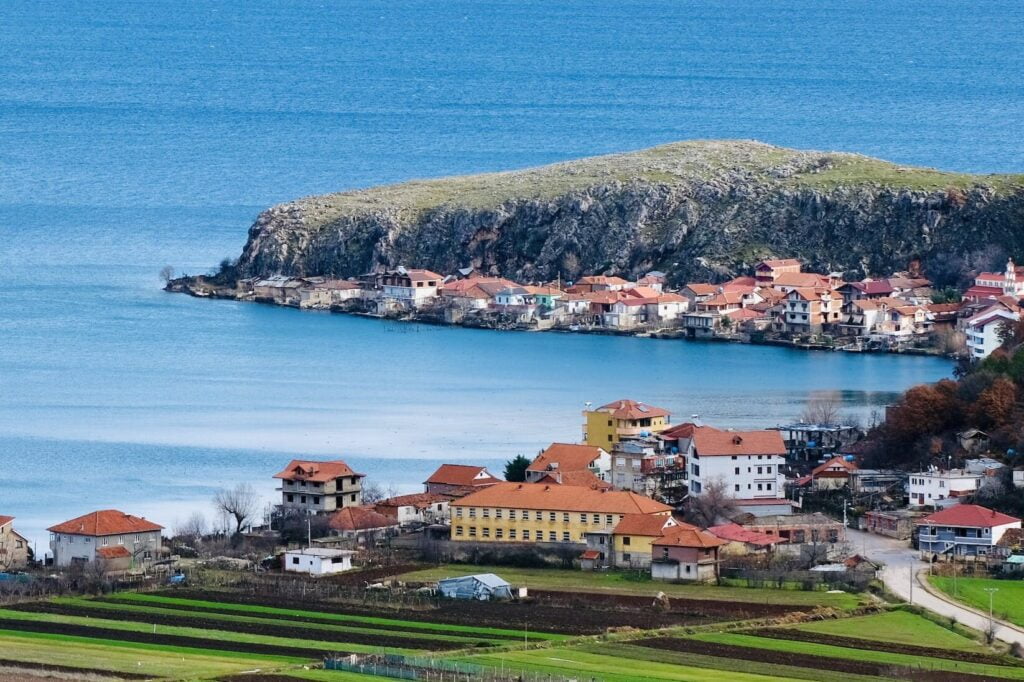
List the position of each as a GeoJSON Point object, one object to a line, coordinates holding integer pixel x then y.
{"type": "Point", "coordinates": [430, 669]}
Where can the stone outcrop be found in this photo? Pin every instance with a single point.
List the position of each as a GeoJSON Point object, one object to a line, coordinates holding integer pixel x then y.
{"type": "Point", "coordinates": [692, 209]}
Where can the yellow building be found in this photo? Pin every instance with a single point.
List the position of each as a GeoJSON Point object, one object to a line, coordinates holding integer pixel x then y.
{"type": "Point", "coordinates": [538, 512]}
{"type": "Point", "coordinates": [632, 537]}
{"type": "Point", "coordinates": [607, 425]}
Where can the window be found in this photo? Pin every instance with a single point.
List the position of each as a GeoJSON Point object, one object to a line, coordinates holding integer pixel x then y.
{"type": "Point", "coordinates": [768, 486]}
{"type": "Point", "coordinates": [736, 470]}
{"type": "Point", "coordinates": [120, 539]}
{"type": "Point", "coordinates": [609, 438]}
{"type": "Point", "coordinates": [302, 499]}
{"type": "Point", "coordinates": [486, 513]}
{"type": "Point", "coordinates": [737, 488]}
{"type": "Point", "coordinates": [472, 531]}
{"type": "Point", "coordinates": [497, 513]}
{"type": "Point", "coordinates": [626, 557]}
{"type": "Point", "coordinates": [566, 537]}
{"type": "Point", "coordinates": [472, 512]}
{"type": "Point", "coordinates": [539, 516]}
{"type": "Point", "coordinates": [291, 498]}
{"type": "Point", "coordinates": [511, 533]}
{"type": "Point", "coordinates": [609, 520]}
{"type": "Point", "coordinates": [583, 518]}
{"type": "Point", "coordinates": [511, 514]}
{"type": "Point", "coordinates": [609, 422]}
{"type": "Point", "coordinates": [626, 540]}
{"type": "Point", "coordinates": [767, 470]}
{"type": "Point", "coordinates": [526, 534]}
{"type": "Point", "coordinates": [620, 461]}
{"type": "Point", "coordinates": [760, 470]}
{"type": "Point", "coordinates": [458, 530]}
{"type": "Point", "coordinates": [551, 516]}
{"type": "Point", "coordinates": [760, 487]}
{"type": "Point", "coordinates": [458, 512]}
{"type": "Point", "coordinates": [565, 517]}
{"type": "Point", "coordinates": [552, 536]}
{"type": "Point", "coordinates": [597, 518]}
{"type": "Point", "coordinates": [734, 457]}
{"type": "Point", "coordinates": [353, 497]}
{"type": "Point", "coordinates": [295, 560]}
{"type": "Point", "coordinates": [316, 500]}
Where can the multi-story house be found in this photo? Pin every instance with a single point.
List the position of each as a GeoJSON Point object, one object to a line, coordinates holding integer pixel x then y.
{"type": "Point", "coordinates": [319, 487]}
{"type": "Point", "coordinates": [409, 288]}
{"type": "Point", "coordinates": [15, 549]}
{"type": "Point", "coordinates": [984, 331]}
{"type": "Point", "coordinates": [121, 541]}
{"type": "Point", "coordinates": [868, 289]}
{"type": "Point", "coordinates": [685, 552]}
{"type": "Point", "coordinates": [567, 458]}
{"type": "Point", "coordinates": [767, 271]}
{"type": "Point", "coordinates": [747, 463]}
{"type": "Point", "coordinates": [456, 480]}
{"type": "Point", "coordinates": [623, 419]}
{"type": "Point", "coordinates": [966, 530]}
{"type": "Point", "coordinates": [537, 512]}
{"type": "Point", "coordinates": [808, 311]}
{"type": "Point", "coordinates": [1010, 282]}
{"type": "Point", "coordinates": [417, 508]}
{"type": "Point", "coordinates": [941, 488]}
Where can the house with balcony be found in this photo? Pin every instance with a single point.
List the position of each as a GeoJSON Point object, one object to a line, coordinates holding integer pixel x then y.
{"type": "Point", "coordinates": [984, 331]}
{"type": "Point", "coordinates": [748, 464]}
{"type": "Point", "coordinates": [767, 271]}
{"type": "Point", "coordinates": [408, 287]}
{"type": "Point", "coordinates": [119, 541]}
{"type": "Point", "coordinates": [963, 531]}
{"type": "Point", "coordinates": [685, 552]}
{"type": "Point", "coordinates": [567, 458]}
{"type": "Point", "coordinates": [314, 487]}
{"type": "Point", "coordinates": [623, 419]}
{"type": "Point", "coordinates": [941, 488]}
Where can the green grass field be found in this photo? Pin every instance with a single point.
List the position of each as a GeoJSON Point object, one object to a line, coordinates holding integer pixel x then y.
{"type": "Point", "coordinates": [1007, 602]}
{"type": "Point", "coordinates": [900, 627]}
{"type": "Point", "coordinates": [630, 583]}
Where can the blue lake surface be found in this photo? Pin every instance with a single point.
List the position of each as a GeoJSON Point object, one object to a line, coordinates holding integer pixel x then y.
{"type": "Point", "coordinates": [134, 135]}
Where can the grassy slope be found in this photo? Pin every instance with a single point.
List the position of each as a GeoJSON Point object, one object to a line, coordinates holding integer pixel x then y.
{"type": "Point", "coordinates": [900, 627]}
{"type": "Point", "coordinates": [412, 628]}
{"type": "Point", "coordinates": [1007, 603]}
{"type": "Point", "coordinates": [862, 655]}
{"type": "Point", "coordinates": [625, 583]}
{"type": "Point", "coordinates": [158, 661]}
{"type": "Point", "coordinates": [670, 164]}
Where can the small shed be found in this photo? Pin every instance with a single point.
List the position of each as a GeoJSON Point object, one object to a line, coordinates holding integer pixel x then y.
{"type": "Point", "coordinates": [483, 586]}
{"type": "Point", "coordinates": [318, 560]}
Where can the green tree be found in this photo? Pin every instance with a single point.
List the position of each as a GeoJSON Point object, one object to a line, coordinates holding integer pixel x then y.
{"type": "Point", "coordinates": [515, 469]}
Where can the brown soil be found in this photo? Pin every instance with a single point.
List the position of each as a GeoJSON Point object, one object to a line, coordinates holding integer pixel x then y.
{"type": "Point", "coordinates": [250, 628]}
{"type": "Point", "coordinates": [539, 617]}
{"type": "Point", "coordinates": [798, 660]}
{"type": "Point", "coordinates": [709, 609]}
{"type": "Point", "coordinates": [890, 647]}
{"type": "Point", "coordinates": [49, 668]}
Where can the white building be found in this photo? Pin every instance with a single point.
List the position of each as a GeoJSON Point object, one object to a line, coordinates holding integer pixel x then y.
{"type": "Point", "coordinates": [318, 560]}
{"type": "Point", "coordinates": [983, 331]}
{"type": "Point", "coordinates": [410, 288]}
{"type": "Point", "coordinates": [417, 508]}
{"type": "Point", "coordinates": [120, 540]}
{"type": "Point", "coordinates": [748, 463]}
{"type": "Point", "coordinates": [941, 488]}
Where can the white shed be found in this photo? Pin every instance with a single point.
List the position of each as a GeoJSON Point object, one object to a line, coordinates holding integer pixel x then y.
{"type": "Point", "coordinates": [318, 560]}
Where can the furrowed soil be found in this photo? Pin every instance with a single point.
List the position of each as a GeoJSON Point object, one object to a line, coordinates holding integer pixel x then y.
{"type": "Point", "coordinates": [708, 609]}
{"type": "Point", "coordinates": [170, 640]}
{"type": "Point", "coordinates": [67, 670]}
{"type": "Point", "coordinates": [276, 630]}
{"type": "Point", "coordinates": [844, 665]}
{"type": "Point", "coordinates": [889, 647]}
{"type": "Point", "coordinates": [509, 615]}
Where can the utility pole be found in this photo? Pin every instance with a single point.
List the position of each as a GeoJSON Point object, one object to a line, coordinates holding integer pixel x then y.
{"type": "Point", "coordinates": [911, 583]}
{"type": "Point", "coordinates": [309, 533]}
{"type": "Point", "coordinates": [991, 620]}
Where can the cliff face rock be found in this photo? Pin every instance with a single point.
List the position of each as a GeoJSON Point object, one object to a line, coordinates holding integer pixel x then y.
{"type": "Point", "coordinates": [694, 209]}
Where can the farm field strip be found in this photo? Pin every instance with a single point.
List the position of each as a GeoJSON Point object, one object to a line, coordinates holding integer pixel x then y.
{"type": "Point", "coordinates": [329, 616]}
{"type": "Point", "coordinates": [896, 627]}
{"type": "Point", "coordinates": [575, 580]}
{"type": "Point", "coordinates": [7, 617]}
{"type": "Point", "coordinates": [1007, 602]}
{"type": "Point", "coordinates": [840, 654]}
{"type": "Point", "coordinates": [611, 668]}
{"type": "Point", "coordinates": [358, 635]}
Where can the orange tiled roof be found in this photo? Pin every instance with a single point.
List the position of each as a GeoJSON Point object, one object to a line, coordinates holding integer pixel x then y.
{"type": "Point", "coordinates": [838, 460]}
{"type": "Point", "coordinates": [801, 280]}
{"type": "Point", "coordinates": [584, 478]}
{"type": "Point", "coordinates": [113, 552]}
{"type": "Point", "coordinates": [562, 498]}
{"type": "Point", "coordinates": [419, 500]}
{"type": "Point", "coordinates": [4, 520]}
{"type": "Point", "coordinates": [688, 536]}
{"type": "Point", "coordinates": [317, 472]}
{"type": "Point", "coordinates": [420, 275]}
{"type": "Point", "coordinates": [643, 524]}
{"type": "Point", "coordinates": [712, 442]}
{"type": "Point", "coordinates": [105, 522]}
{"type": "Point", "coordinates": [631, 409]}
{"type": "Point", "coordinates": [359, 518]}
{"type": "Point", "coordinates": [777, 262]}
{"type": "Point", "coordinates": [462, 474]}
{"type": "Point", "coordinates": [566, 457]}
{"type": "Point", "coordinates": [702, 289]}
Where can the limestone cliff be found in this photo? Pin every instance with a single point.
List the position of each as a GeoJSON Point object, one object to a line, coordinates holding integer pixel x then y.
{"type": "Point", "coordinates": [693, 209]}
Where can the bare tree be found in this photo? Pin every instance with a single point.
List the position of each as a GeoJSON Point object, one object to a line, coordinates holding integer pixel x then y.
{"type": "Point", "coordinates": [373, 493]}
{"type": "Point", "coordinates": [166, 273]}
{"type": "Point", "coordinates": [712, 504]}
{"type": "Point", "coordinates": [239, 503]}
{"type": "Point", "coordinates": [193, 528]}
{"type": "Point", "coordinates": [823, 409]}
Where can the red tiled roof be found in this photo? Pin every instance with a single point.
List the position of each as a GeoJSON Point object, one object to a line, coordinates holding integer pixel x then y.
{"type": "Point", "coordinates": [979, 291]}
{"type": "Point", "coordinates": [4, 520]}
{"type": "Point", "coordinates": [710, 442]}
{"type": "Point", "coordinates": [702, 289]}
{"type": "Point", "coordinates": [800, 279]}
{"type": "Point", "coordinates": [687, 536]}
{"type": "Point", "coordinates": [644, 524]}
{"type": "Point", "coordinates": [838, 460]}
{"type": "Point", "coordinates": [590, 555]}
{"type": "Point", "coordinates": [582, 477]}
{"type": "Point", "coordinates": [419, 275]}
{"type": "Point", "coordinates": [317, 472]}
{"type": "Point", "coordinates": [631, 409]}
{"type": "Point", "coordinates": [462, 474]}
{"type": "Point", "coordinates": [737, 533]}
{"type": "Point", "coordinates": [968, 515]}
{"type": "Point", "coordinates": [875, 286]}
{"type": "Point", "coordinates": [419, 500]}
{"type": "Point", "coordinates": [565, 457]}
{"type": "Point", "coordinates": [569, 498]}
{"type": "Point", "coordinates": [684, 430]}
{"type": "Point", "coordinates": [105, 522]}
{"type": "Point", "coordinates": [359, 518]}
{"type": "Point", "coordinates": [113, 552]}
{"type": "Point", "coordinates": [776, 263]}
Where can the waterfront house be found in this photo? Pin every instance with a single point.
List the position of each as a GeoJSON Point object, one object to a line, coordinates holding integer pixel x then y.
{"type": "Point", "coordinates": [592, 283]}
{"type": "Point", "coordinates": [984, 331]}
{"type": "Point", "coordinates": [417, 508]}
{"type": "Point", "coordinates": [120, 541]}
{"type": "Point", "coordinates": [536, 512]}
{"type": "Point", "coordinates": [788, 281]}
{"type": "Point", "coordinates": [317, 561]}
{"type": "Point", "coordinates": [361, 524]}
{"type": "Point", "coordinates": [329, 292]}
{"type": "Point", "coordinates": [279, 289]}
{"type": "Point", "coordinates": [605, 426]}
{"type": "Point", "coordinates": [685, 552]}
{"type": "Point", "coordinates": [808, 310]}
{"type": "Point", "coordinates": [15, 549]}
{"type": "Point", "coordinates": [409, 287]}
{"type": "Point", "coordinates": [545, 297]}
{"type": "Point", "coordinates": [315, 487]}
{"type": "Point", "coordinates": [864, 290]}
{"type": "Point", "coordinates": [474, 293]}
{"type": "Point", "coordinates": [567, 458]}
{"type": "Point", "coordinates": [941, 488]}
{"type": "Point", "coordinates": [455, 480]}
{"type": "Point", "coordinates": [767, 271]}
{"type": "Point", "coordinates": [700, 325]}
{"type": "Point", "coordinates": [629, 312]}
{"type": "Point", "coordinates": [667, 307]}
{"type": "Point", "coordinates": [833, 474]}
{"type": "Point", "coordinates": [966, 530]}
{"type": "Point", "coordinates": [698, 293]}
{"type": "Point", "coordinates": [721, 303]}
{"type": "Point", "coordinates": [748, 463]}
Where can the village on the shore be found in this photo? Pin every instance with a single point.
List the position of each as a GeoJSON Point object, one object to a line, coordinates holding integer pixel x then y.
{"type": "Point", "coordinates": [777, 303]}
{"type": "Point", "coordinates": [682, 501]}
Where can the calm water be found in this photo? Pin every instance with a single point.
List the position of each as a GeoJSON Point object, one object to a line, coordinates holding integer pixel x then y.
{"type": "Point", "coordinates": [134, 135]}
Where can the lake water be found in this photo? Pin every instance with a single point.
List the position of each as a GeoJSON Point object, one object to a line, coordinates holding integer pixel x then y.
{"type": "Point", "coordinates": [134, 135]}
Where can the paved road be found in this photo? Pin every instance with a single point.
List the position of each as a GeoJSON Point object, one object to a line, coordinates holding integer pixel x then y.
{"type": "Point", "coordinates": [903, 574]}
